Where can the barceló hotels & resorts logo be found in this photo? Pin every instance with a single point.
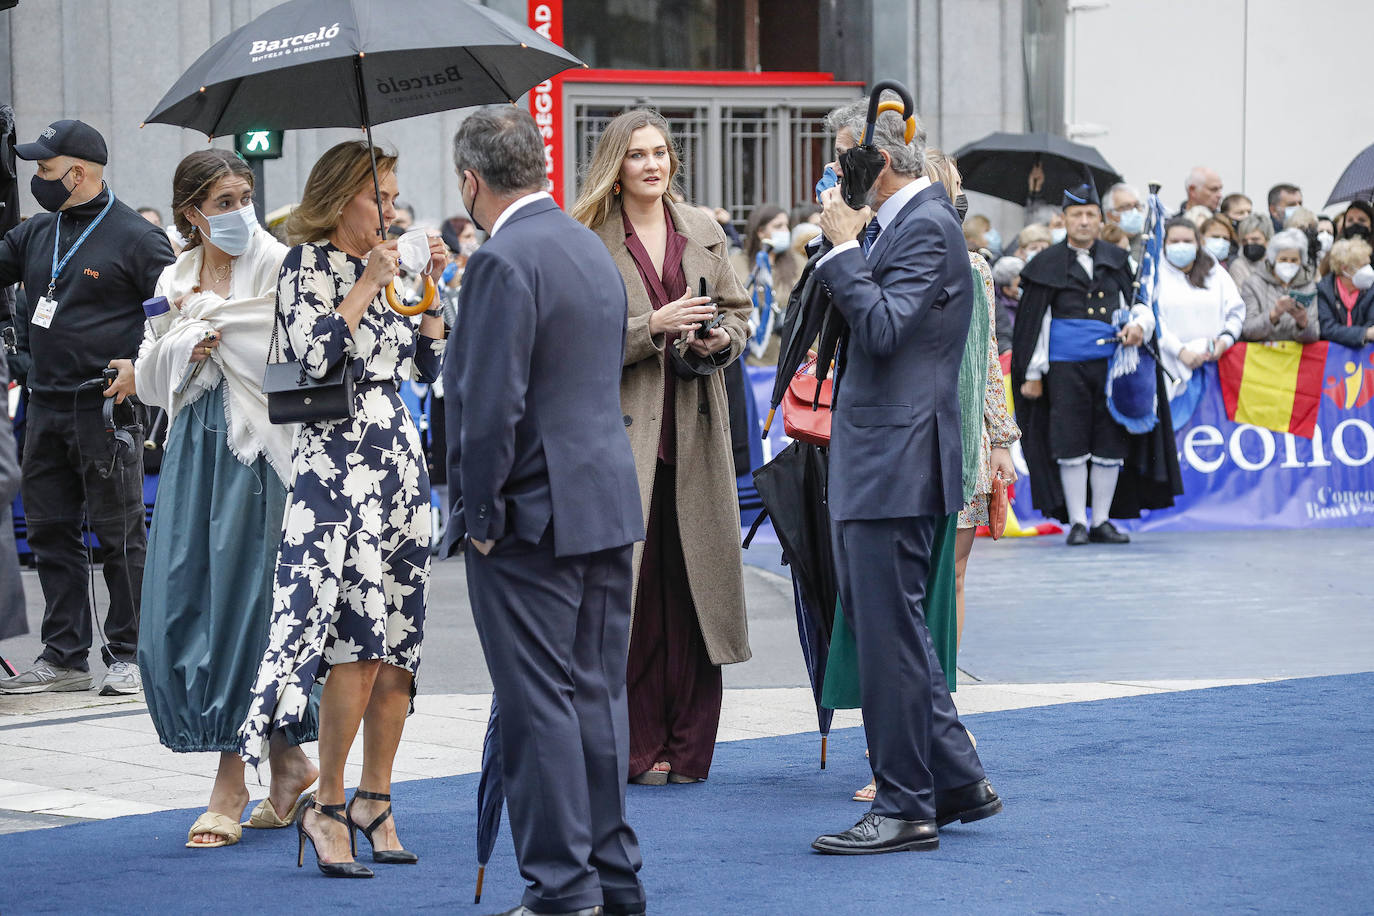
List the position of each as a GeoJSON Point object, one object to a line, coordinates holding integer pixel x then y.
{"type": "Point", "coordinates": [267, 48]}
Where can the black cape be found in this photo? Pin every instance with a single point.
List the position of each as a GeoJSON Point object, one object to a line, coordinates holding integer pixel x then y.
{"type": "Point", "coordinates": [1150, 478]}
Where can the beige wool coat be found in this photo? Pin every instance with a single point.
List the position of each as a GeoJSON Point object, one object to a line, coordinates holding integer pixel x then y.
{"type": "Point", "coordinates": [707, 502]}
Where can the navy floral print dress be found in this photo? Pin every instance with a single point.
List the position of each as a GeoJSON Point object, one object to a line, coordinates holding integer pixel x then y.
{"type": "Point", "coordinates": [352, 572]}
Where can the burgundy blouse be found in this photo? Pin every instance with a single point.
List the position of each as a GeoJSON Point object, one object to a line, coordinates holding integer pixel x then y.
{"type": "Point", "coordinates": [662, 290]}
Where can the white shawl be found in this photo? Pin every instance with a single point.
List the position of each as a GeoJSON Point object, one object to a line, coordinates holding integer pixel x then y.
{"type": "Point", "coordinates": [244, 322]}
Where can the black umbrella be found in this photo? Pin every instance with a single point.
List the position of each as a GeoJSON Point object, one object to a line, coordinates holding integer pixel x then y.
{"type": "Point", "coordinates": [861, 163]}
{"type": "Point", "coordinates": [1000, 163]}
{"type": "Point", "coordinates": [340, 63]}
{"type": "Point", "coordinates": [1357, 181]}
{"type": "Point", "coordinates": [801, 326]}
{"type": "Point", "coordinates": [491, 795]}
{"type": "Point", "coordinates": [792, 487]}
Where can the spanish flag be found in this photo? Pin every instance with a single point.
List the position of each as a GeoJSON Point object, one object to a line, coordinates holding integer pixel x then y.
{"type": "Point", "coordinates": [1274, 385]}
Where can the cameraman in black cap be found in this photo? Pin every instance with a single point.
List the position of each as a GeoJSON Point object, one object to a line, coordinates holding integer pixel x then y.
{"type": "Point", "coordinates": [86, 266]}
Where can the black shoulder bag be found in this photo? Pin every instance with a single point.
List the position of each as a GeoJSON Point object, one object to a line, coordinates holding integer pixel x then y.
{"type": "Point", "coordinates": [294, 395]}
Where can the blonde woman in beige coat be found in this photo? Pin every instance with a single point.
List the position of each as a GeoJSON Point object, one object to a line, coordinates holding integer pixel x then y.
{"type": "Point", "coordinates": [689, 587]}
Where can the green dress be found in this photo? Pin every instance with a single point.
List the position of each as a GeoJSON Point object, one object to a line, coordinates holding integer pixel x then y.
{"type": "Point", "coordinates": [841, 688]}
{"type": "Point", "coordinates": [207, 585]}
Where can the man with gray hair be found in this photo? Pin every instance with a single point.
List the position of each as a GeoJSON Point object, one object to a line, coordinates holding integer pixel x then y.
{"type": "Point", "coordinates": [1121, 205]}
{"type": "Point", "coordinates": [544, 492]}
{"type": "Point", "coordinates": [900, 278]}
{"type": "Point", "coordinates": [1204, 190]}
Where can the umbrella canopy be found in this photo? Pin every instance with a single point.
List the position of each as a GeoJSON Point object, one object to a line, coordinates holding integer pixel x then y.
{"type": "Point", "coordinates": [1357, 181]}
{"type": "Point", "coordinates": [1000, 163]}
{"type": "Point", "coordinates": [338, 63]}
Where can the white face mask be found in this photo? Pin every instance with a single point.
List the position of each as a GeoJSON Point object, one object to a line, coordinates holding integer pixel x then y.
{"type": "Point", "coordinates": [1363, 278]}
{"type": "Point", "coordinates": [1286, 271]}
{"type": "Point", "coordinates": [231, 232]}
{"type": "Point", "coordinates": [1324, 239]}
{"type": "Point", "coordinates": [1057, 235]}
{"type": "Point", "coordinates": [780, 240]}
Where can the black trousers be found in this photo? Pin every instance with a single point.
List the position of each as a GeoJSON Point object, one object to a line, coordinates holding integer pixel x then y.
{"type": "Point", "coordinates": [73, 472]}
{"type": "Point", "coordinates": [915, 741]}
{"type": "Point", "coordinates": [555, 632]}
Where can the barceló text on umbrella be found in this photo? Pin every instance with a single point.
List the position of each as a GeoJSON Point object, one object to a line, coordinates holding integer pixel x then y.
{"type": "Point", "coordinates": [423, 81]}
{"type": "Point", "coordinates": [322, 34]}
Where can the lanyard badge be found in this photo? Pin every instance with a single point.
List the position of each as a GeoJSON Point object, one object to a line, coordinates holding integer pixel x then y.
{"type": "Point", "coordinates": [46, 306]}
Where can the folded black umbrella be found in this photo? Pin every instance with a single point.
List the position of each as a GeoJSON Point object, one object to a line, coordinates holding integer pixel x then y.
{"type": "Point", "coordinates": [1357, 181]}
{"type": "Point", "coordinates": [1000, 163]}
{"type": "Point", "coordinates": [801, 326]}
{"type": "Point", "coordinates": [792, 487]}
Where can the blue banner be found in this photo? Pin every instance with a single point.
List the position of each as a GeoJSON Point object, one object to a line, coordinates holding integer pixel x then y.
{"type": "Point", "coordinates": [1236, 475]}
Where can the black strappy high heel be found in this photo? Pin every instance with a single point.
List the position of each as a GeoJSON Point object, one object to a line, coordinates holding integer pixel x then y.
{"type": "Point", "coordinates": [329, 869]}
{"type": "Point", "coordinates": [380, 856]}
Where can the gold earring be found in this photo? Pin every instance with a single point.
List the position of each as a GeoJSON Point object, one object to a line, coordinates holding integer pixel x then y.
{"type": "Point", "coordinates": [615, 188]}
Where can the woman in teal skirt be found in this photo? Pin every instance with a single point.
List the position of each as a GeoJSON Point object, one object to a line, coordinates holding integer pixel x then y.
{"type": "Point", "coordinates": [207, 585]}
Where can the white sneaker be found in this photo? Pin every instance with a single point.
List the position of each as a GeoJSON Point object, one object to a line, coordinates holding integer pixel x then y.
{"type": "Point", "coordinates": [123, 679]}
{"type": "Point", "coordinates": [44, 677]}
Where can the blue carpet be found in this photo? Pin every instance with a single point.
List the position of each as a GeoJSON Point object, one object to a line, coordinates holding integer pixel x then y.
{"type": "Point", "coordinates": [1243, 798]}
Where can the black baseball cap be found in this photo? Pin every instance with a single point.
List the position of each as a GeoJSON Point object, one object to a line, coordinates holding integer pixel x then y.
{"type": "Point", "coordinates": [66, 138]}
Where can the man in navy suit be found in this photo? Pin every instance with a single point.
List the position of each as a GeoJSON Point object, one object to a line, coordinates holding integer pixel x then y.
{"type": "Point", "coordinates": [903, 285]}
{"type": "Point", "coordinates": [544, 491]}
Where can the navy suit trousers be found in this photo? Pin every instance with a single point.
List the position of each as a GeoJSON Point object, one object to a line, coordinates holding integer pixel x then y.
{"type": "Point", "coordinates": [916, 744]}
{"type": "Point", "coordinates": [555, 632]}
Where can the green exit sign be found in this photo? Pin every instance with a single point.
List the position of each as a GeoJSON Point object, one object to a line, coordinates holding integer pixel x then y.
{"type": "Point", "coordinates": [259, 144]}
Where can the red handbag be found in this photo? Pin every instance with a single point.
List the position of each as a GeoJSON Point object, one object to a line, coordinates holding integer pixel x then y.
{"type": "Point", "coordinates": [803, 417]}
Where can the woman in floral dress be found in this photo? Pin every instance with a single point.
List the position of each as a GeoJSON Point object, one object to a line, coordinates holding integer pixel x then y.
{"type": "Point", "coordinates": [353, 568]}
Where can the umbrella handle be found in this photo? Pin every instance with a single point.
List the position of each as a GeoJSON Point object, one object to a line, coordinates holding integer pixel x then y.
{"type": "Point", "coordinates": [890, 105]}
{"type": "Point", "coordinates": [481, 876]}
{"type": "Point", "coordinates": [411, 310]}
{"type": "Point", "coordinates": [876, 97]}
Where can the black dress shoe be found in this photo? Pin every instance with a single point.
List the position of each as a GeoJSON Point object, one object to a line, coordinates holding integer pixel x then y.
{"type": "Point", "coordinates": [966, 804]}
{"type": "Point", "coordinates": [1078, 534]}
{"type": "Point", "coordinates": [875, 833]}
{"type": "Point", "coordinates": [523, 910]}
{"type": "Point", "coordinates": [1106, 533]}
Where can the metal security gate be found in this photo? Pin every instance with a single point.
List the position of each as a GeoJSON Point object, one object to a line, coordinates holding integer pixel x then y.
{"type": "Point", "coordinates": [740, 146]}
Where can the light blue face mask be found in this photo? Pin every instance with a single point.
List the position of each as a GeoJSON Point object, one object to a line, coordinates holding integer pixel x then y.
{"type": "Point", "coordinates": [828, 180]}
{"type": "Point", "coordinates": [1218, 247]}
{"type": "Point", "coordinates": [231, 232]}
{"type": "Point", "coordinates": [1057, 235]}
{"type": "Point", "coordinates": [1132, 222]}
{"type": "Point", "coordinates": [994, 242]}
{"type": "Point", "coordinates": [1180, 254]}
{"type": "Point", "coordinates": [1289, 211]}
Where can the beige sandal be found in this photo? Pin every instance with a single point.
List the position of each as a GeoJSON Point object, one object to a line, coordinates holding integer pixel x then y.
{"type": "Point", "coordinates": [264, 816]}
{"type": "Point", "coordinates": [656, 775]}
{"type": "Point", "coordinates": [222, 826]}
{"type": "Point", "coordinates": [867, 793]}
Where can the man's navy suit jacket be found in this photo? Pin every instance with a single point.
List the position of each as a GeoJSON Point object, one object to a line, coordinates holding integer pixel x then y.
{"type": "Point", "coordinates": [532, 391]}
{"type": "Point", "coordinates": [895, 445]}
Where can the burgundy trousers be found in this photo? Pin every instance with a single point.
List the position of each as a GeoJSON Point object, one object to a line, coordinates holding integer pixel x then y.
{"type": "Point", "coordinates": [674, 690]}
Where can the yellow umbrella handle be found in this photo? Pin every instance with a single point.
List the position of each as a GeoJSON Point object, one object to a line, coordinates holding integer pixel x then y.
{"type": "Point", "coordinates": [410, 310]}
{"type": "Point", "coordinates": [899, 108]}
